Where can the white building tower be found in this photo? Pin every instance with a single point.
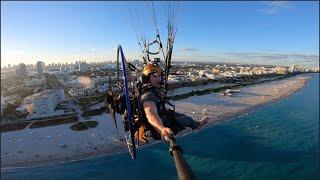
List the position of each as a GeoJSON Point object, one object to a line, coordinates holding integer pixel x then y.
{"type": "Point", "coordinates": [40, 67]}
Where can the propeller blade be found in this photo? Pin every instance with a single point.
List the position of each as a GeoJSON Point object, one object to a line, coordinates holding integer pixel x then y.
{"type": "Point", "coordinates": [113, 115]}
{"type": "Point", "coordinates": [111, 106]}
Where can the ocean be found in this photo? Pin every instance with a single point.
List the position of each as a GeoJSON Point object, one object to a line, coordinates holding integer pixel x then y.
{"type": "Point", "coordinates": [277, 141]}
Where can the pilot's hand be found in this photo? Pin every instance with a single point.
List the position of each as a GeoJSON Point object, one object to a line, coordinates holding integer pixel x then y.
{"type": "Point", "coordinates": [166, 133]}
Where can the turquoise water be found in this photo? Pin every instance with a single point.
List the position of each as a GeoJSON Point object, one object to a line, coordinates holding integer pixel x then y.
{"type": "Point", "coordinates": [278, 141]}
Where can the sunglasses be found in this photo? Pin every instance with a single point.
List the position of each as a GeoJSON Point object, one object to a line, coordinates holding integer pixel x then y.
{"type": "Point", "coordinates": [156, 75]}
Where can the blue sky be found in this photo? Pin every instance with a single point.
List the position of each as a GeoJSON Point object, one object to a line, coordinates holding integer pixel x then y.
{"type": "Point", "coordinates": [271, 32]}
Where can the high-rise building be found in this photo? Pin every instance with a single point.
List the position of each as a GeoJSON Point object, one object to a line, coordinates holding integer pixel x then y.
{"type": "Point", "coordinates": [293, 68]}
{"type": "Point", "coordinates": [280, 70]}
{"type": "Point", "coordinates": [40, 67]}
{"type": "Point", "coordinates": [21, 71]}
{"type": "Point", "coordinates": [83, 66]}
{"type": "Point", "coordinates": [2, 104]}
{"type": "Point", "coordinates": [48, 100]}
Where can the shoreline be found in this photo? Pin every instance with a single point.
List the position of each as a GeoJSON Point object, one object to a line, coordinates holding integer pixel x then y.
{"type": "Point", "coordinates": [110, 146]}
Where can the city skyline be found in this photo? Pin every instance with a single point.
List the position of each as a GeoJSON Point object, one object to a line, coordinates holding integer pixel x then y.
{"type": "Point", "coordinates": [271, 33]}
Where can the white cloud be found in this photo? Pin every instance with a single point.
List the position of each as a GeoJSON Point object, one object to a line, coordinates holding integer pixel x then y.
{"type": "Point", "coordinates": [190, 49]}
{"type": "Point", "coordinates": [275, 6]}
{"type": "Point", "coordinates": [272, 58]}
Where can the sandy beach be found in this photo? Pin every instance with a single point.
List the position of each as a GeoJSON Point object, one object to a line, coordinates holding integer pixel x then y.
{"type": "Point", "coordinates": [33, 147]}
